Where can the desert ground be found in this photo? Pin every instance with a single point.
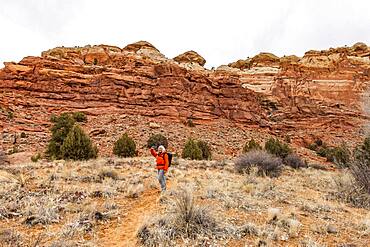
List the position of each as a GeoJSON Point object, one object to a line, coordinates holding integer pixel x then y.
{"type": "Point", "coordinates": [117, 202]}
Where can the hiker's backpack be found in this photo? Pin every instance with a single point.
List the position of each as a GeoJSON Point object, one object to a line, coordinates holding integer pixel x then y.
{"type": "Point", "coordinates": [169, 159]}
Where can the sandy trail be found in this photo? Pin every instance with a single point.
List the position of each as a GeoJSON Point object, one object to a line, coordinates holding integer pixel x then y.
{"type": "Point", "coordinates": [132, 216]}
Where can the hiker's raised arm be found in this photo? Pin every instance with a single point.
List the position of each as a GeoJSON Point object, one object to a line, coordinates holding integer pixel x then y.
{"type": "Point", "coordinates": [153, 152]}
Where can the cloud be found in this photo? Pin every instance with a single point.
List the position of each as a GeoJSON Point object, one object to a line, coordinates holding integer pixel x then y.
{"type": "Point", "coordinates": [221, 31]}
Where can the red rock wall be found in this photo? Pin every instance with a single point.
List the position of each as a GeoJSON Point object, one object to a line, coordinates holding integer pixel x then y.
{"type": "Point", "coordinates": [321, 94]}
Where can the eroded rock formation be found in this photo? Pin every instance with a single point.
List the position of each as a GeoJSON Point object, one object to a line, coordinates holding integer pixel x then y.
{"type": "Point", "coordinates": [321, 94]}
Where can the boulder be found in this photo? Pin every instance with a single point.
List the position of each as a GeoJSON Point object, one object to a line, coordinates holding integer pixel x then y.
{"type": "Point", "coordinates": [190, 57]}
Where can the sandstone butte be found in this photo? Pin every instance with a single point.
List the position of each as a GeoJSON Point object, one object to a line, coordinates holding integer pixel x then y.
{"type": "Point", "coordinates": [323, 94]}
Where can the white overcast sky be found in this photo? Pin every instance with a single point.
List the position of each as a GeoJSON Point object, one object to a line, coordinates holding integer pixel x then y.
{"type": "Point", "coordinates": [222, 31]}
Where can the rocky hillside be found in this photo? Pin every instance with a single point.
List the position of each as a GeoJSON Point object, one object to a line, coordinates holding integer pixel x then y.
{"type": "Point", "coordinates": [321, 94]}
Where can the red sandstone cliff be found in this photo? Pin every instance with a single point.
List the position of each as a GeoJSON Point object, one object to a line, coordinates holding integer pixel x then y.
{"type": "Point", "coordinates": [321, 94]}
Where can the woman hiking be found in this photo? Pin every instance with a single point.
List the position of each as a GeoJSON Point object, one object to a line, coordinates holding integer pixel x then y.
{"type": "Point", "coordinates": [162, 165]}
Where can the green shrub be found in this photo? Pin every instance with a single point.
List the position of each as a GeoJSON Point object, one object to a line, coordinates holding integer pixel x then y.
{"type": "Point", "coordinates": [14, 150]}
{"type": "Point", "coordinates": [363, 151]}
{"type": "Point", "coordinates": [312, 146]}
{"type": "Point", "coordinates": [325, 152]}
{"type": "Point", "coordinates": [251, 145]}
{"type": "Point", "coordinates": [275, 147]}
{"type": "Point", "coordinates": [190, 123]}
{"type": "Point", "coordinates": [125, 147]}
{"type": "Point", "coordinates": [61, 127]}
{"type": "Point", "coordinates": [36, 157]}
{"type": "Point", "coordinates": [157, 140]}
{"type": "Point", "coordinates": [206, 150]}
{"type": "Point", "coordinates": [78, 146]}
{"type": "Point", "coordinates": [191, 150]}
{"type": "Point", "coordinates": [341, 155]}
{"type": "Point", "coordinates": [79, 117]}
{"type": "Point", "coordinates": [10, 114]}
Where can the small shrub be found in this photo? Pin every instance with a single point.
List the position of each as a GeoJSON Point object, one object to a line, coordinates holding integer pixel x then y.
{"type": "Point", "coordinates": [10, 237]}
{"type": "Point", "coordinates": [125, 147]}
{"type": "Point", "coordinates": [108, 173]}
{"type": "Point", "coordinates": [266, 163]}
{"type": "Point", "coordinates": [251, 145]}
{"type": "Point", "coordinates": [14, 150]}
{"type": "Point", "coordinates": [10, 114]}
{"type": "Point", "coordinates": [78, 146]}
{"type": "Point", "coordinates": [185, 220]}
{"type": "Point", "coordinates": [324, 151]}
{"type": "Point", "coordinates": [312, 146]}
{"type": "Point", "coordinates": [206, 150]}
{"type": "Point", "coordinates": [61, 127]}
{"type": "Point", "coordinates": [190, 123]}
{"type": "Point", "coordinates": [319, 142]}
{"type": "Point", "coordinates": [191, 219]}
{"type": "Point", "coordinates": [360, 170]}
{"type": "Point", "coordinates": [191, 150]}
{"type": "Point", "coordinates": [3, 158]}
{"type": "Point", "coordinates": [341, 155]}
{"type": "Point", "coordinates": [294, 161]}
{"type": "Point", "coordinates": [350, 190]}
{"type": "Point", "coordinates": [157, 140]}
{"type": "Point", "coordinates": [79, 117]}
{"type": "Point", "coordinates": [42, 210]}
{"type": "Point", "coordinates": [363, 150]}
{"type": "Point", "coordinates": [36, 157]}
{"type": "Point", "coordinates": [23, 135]}
{"type": "Point", "coordinates": [275, 147]}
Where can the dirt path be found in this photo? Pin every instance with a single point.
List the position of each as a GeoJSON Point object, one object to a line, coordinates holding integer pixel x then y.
{"type": "Point", "coordinates": [133, 215]}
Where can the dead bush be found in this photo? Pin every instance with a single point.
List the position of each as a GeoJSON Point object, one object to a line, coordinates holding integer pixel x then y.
{"type": "Point", "coordinates": [266, 163]}
{"type": "Point", "coordinates": [349, 191]}
{"type": "Point", "coordinates": [360, 170]}
{"type": "Point", "coordinates": [294, 161]}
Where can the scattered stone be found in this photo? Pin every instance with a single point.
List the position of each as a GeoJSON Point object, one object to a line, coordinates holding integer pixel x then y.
{"type": "Point", "coordinates": [332, 229]}
{"type": "Point", "coordinates": [154, 125]}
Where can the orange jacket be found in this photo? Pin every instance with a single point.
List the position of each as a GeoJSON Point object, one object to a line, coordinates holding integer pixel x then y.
{"type": "Point", "coordinates": [162, 159]}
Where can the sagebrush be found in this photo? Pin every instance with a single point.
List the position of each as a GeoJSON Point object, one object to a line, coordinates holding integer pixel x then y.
{"type": "Point", "coordinates": [266, 163]}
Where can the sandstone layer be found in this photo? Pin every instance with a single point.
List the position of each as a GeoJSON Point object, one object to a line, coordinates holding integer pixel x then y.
{"type": "Point", "coordinates": [323, 94]}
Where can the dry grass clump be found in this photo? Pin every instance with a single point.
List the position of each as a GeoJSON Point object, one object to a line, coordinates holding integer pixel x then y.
{"type": "Point", "coordinates": [185, 220]}
{"type": "Point", "coordinates": [248, 229]}
{"type": "Point", "coordinates": [108, 173]}
{"type": "Point", "coordinates": [11, 238]}
{"type": "Point", "coordinates": [134, 190]}
{"type": "Point", "coordinates": [267, 164]}
{"type": "Point", "coordinates": [280, 227]}
{"type": "Point", "coordinates": [42, 210]}
{"type": "Point", "coordinates": [87, 219]}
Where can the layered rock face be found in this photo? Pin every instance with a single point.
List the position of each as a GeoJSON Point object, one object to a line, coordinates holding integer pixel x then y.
{"type": "Point", "coordinates": [320, 94]}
